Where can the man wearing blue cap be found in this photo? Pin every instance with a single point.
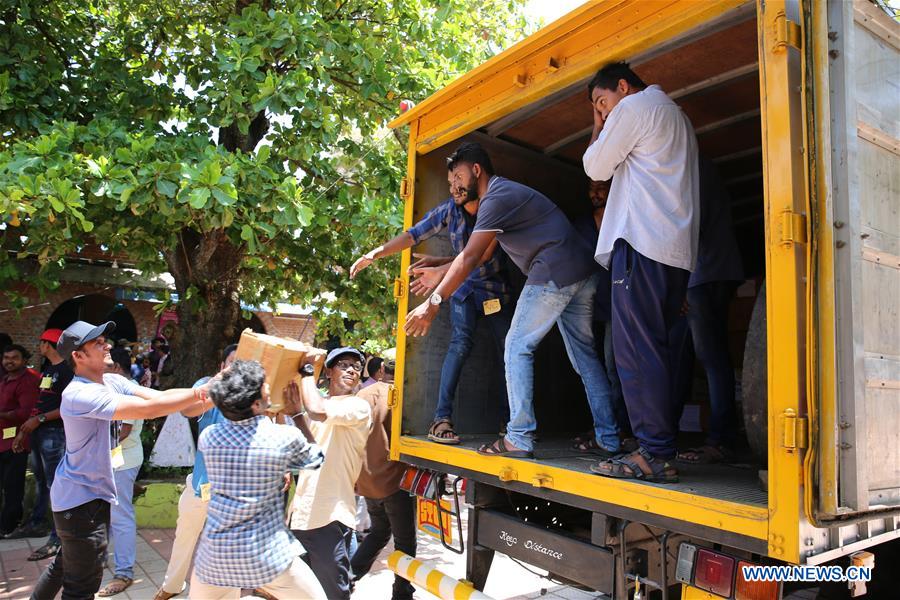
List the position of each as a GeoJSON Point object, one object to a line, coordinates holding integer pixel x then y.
{"type": "Point", "coordinates": [84, 486]}
{"type": "Point", "coordinates": [323, 513]}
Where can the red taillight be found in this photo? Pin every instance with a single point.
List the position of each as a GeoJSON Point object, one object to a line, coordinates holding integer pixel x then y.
{"type": "Point", "coordinates": [714, 572]}
{"type": "Point", "coordinates": [753, 590]}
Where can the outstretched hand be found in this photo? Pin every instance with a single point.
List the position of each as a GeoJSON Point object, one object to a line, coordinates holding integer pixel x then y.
{"type": "Point", "coordinates": [427, 278]}
{"type": "Point", "coordinates": [361, 263]}
{"type": "Point", "coordinates": [427, 260]}
{"type": "Point", "coordinates": [293, 403]}
{"type": "Point", "coordinates": [418, 321]}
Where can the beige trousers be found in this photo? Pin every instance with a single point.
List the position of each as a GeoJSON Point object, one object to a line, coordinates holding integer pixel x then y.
{"type": "Point", "coordinates": [191, 519]}
{"type": "Point", "coordinates": [297, 582]}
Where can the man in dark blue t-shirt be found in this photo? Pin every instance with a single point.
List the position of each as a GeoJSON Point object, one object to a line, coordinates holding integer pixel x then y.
{"type": "Point", "coordinates": [588, 226]}
{"type": "Point", "coordinates": [560, 286]}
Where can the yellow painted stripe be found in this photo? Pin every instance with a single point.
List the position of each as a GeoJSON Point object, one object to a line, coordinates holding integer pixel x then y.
{"type": "Point", "coordinates": [463, 592]}
{"type": "Point", "coordinates": [433, 582]}
{"type": "Point", "coordinates": [412, 569]}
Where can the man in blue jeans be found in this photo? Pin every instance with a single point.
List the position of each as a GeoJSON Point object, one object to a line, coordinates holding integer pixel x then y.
{"type": "Point", "coordinates": [484, 293]}
{"type": "Point", "coordinates": [710, 288]}
{"type": "Point", "coordinates": [48, 440]}
{"type": "Point", "coordinates": [559, 289]}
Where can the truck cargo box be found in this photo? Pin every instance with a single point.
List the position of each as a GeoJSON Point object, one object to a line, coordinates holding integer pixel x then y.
{"type": "Point", "coordinates": [798, 104]}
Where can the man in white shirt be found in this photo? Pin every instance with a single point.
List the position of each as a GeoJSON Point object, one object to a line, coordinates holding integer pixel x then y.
{"type": "Point", "coordinates": [323, 513]}
{"type": "Point", "coordinates": [648, 240]}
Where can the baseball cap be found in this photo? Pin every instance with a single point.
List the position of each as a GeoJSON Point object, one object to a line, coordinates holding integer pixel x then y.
{"type": "Point", "coordinates": [79, 333]}
{"type": "Point", "coordinates": [338, 352]}
{"type": "Point", "coordinates": [51, 336]}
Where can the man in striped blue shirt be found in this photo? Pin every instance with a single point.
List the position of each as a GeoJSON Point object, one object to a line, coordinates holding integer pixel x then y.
{"type": "Point", "coordinates": [246, 543]}
{"type": "Point", "coordinates": [484, 292]}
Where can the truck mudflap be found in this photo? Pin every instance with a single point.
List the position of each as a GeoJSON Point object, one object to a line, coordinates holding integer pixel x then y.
{"type": "Point", "coordinates": [567, 557]}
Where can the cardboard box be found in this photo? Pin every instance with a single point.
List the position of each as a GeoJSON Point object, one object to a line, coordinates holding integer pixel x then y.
{"type": "Point", "coordinates": [280, 357]}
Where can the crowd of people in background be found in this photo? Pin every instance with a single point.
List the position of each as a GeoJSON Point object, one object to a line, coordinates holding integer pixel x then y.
{"type": "Point", "coordinates": [81, 418]}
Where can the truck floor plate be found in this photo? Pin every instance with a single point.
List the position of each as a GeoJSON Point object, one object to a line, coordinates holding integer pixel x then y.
{"type": "Point", "coordinates": [733, 483]}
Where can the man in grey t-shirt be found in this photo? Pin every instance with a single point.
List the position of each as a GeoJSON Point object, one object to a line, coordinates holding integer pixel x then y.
{"type": "Point", "coordinates": [560, 289]}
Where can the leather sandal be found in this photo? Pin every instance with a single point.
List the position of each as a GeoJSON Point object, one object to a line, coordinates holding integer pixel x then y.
{"type": "Point", "coordinates": [441, 431]}
{"type": "Point", "coordinates": [639, 465]}
{"type": "Point", "coordinates": [118, 585]}
{"type": "Point", "coordinates": [500, 447]}
{"type": "Point", "coordinates": [706, 455]}
{"type": "Point", "coordinates": [592, 446]}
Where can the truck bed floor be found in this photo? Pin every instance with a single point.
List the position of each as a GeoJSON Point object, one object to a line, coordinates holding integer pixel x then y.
{"type": "Point", "coordinates": [734, 483]}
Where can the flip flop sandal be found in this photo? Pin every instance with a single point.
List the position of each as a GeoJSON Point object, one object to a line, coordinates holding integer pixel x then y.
{"type": "Point", "coordinates": [499, 448]}
{"type": "Point", "coordinates": [706, 455]}
{"type": "Point", "coordinates": [45, 551]}
{"type": "Point", "coordinates": [628, 467]}
{"type": "Point", "coordinates": [592, 446]}
{"type": "Point", "coordinates": [441, 431]}
{"type": "Point", "coordinates": [116, 586]}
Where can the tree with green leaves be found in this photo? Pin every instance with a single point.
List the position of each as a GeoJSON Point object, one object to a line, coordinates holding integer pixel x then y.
{"type": "Point", "coordinates": [238, 145]}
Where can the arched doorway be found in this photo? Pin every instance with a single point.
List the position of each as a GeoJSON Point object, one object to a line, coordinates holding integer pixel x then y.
{"type": "Point", "coordinates": [95, 308]}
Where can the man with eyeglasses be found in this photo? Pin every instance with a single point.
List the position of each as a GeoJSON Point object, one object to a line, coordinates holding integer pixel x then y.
{"type": "Point", "coordinates": [84, 486]}
{"type": "Point", "coordinates": [323, 513]}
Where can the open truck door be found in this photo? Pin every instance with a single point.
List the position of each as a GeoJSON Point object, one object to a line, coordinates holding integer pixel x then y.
{"type": "Point", "coordinates": [853, 470]}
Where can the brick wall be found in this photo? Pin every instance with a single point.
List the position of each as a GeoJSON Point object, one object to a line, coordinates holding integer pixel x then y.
{"type": "Point", "coordinates": [25, 327]}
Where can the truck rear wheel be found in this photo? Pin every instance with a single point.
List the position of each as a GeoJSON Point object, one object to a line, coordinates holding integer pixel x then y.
{"type": "Point", "coordinates": [755, 379]}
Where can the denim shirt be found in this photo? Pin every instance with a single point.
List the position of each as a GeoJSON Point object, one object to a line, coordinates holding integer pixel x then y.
{"type": "Point", "coordinates": [486, 281]}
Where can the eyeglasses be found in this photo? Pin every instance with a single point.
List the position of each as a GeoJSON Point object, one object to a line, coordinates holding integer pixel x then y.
{"type": "Point", "coordinates": [344, 365]}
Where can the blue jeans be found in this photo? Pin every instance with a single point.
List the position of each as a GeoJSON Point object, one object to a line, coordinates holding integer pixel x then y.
{"type": "Point", "coordinates": [48, 445]}
{"type": "Point", "coordinates": [464, 318]}
{"type": "Point", "coordinates": [122, 528]}
{"type": "Point", "coordinates": [572, 308]}
{"type": "Point", "coordinates": [708, 320]}
{"type": "Point", "coordinates": [612, 376]}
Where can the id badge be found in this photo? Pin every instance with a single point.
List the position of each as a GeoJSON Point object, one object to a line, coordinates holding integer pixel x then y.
{"type": "Point", "coordinates": [46, 383]}
{"type": "Point", "coordinates": [491, 306]}
{"type": "Point", "coordinates": [9, 432]}
{"type": "Point", "coordinates": [117, 458]}
{"type": "Point", "coordinates": [205, 494]}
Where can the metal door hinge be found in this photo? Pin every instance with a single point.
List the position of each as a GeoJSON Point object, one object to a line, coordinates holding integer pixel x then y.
{"type": "Point", "coordinates": [795, 430]}
{"type": "Point", "coordinates": [787, 33]}
{"type": "Point", "coordinates": [393, 398]}
{"type": "Point", "coordinates": [404, 187]}
{"type": "Point", "coordinates": [793, 228]}
{"type": "Point", "coordinates": [399, 288]}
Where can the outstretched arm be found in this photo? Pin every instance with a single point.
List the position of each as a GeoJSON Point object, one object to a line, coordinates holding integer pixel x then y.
{"type": "Point", "coordinates": [393, 246]}
{"type": "Point", "coordinates": [144, 405]}
{"type": "Point", "coordinates": [419, 320]}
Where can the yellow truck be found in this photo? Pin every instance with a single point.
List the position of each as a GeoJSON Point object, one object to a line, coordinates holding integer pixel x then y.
{"type": "Point", "coordinates": [798, 104]}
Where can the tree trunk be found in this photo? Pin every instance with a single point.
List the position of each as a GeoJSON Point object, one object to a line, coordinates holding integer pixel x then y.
{"type": "Point", "coordinates": [210, 264]}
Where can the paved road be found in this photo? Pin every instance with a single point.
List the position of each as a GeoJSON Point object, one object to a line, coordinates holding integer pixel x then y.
{"type": "Point", "coordinates": [154, 546]}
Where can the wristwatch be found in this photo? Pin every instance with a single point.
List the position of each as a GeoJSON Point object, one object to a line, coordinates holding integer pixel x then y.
{"type": "Point", "coordinates": [435, 299]}
{"type": "Point", "coordinates": [308, 371]}
{"type": "Point", "coordinates": [42, 418]}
